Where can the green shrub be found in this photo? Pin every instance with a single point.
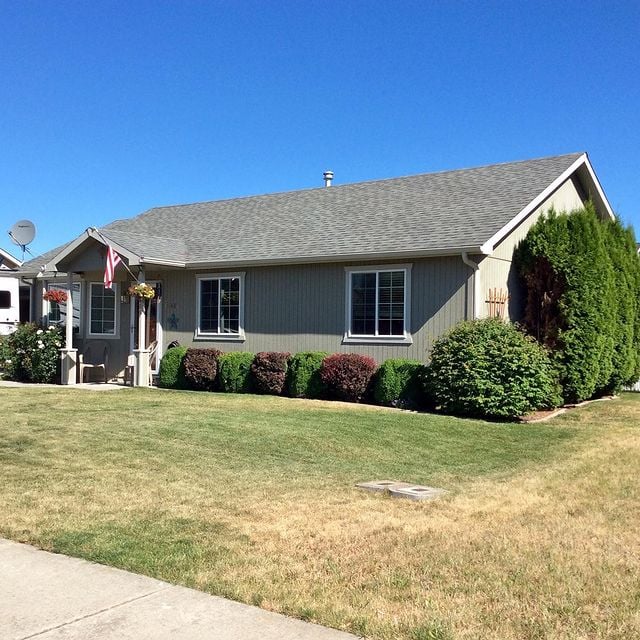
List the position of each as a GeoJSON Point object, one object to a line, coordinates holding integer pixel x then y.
{"type": "Point", "coordinates": [172, 369]}
{"type": "Point", "coordinates": [234, 371]}
{"type": "Point", "coordinates": [303, 375]}
{"type": "Point", "coordinates": [31, 353]}
{"type": "Point", "coordinates": [581, 280]}
{"type": "Point", "coordinates": [621, 245]}
{"type": "Point", "coordinates": [397, 383]}
{"type": "Point", "coordinates": [5, 354]}
{"type": "Point", "coordinates": [201, 368]}
{"type": "Point", "coordinates": [489, 368]}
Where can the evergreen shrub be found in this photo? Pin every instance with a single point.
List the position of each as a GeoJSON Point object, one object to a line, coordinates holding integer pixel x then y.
{"type": "Point", "coordinates": [172, 374]}
{"type": "Point", "coordinates": [234, 371]}
{"type": "Point", "coordinates": [268, 371]}
{"type": "Point", "coordinates": [621, 245]}
{"type": "Point", "coordinates": [303, 375]}
{"type": "Point", "coordinates": [581, 277]}
{"type": "Point", "coordinates": [31, 353]}
{"type": "Point", "coordinates": [397, 383]}
{"type": "Point", "coordinates": [201, 368]}
{"type": "Point", "coordinates": [347, 375]}
{"type": "Point", "coordinates": [489, 368]}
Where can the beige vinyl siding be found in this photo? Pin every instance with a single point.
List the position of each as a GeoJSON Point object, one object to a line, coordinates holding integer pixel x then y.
{"type": "Point", "coordinates": [302, 308]}
{"type": "Point", "coordinates": [498, 271]}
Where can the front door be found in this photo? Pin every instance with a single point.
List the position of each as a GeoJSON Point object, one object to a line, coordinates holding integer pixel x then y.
{"type": "Point", "coordinates": [154, 325]}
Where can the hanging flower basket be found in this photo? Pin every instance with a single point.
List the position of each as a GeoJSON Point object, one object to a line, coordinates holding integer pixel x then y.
{"type": "Point", "coordinates": [55, 295]}
{"type": "Point", "coordinates": [142, 290]}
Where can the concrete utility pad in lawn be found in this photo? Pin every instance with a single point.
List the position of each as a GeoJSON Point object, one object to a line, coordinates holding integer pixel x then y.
{"type": "Point", "coordinates": [402, 489]}
{"type": "Point", "coordinates": [54, 597]}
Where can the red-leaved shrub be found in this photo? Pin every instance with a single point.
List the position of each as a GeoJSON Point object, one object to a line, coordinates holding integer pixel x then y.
{"type": "Point", "coordinates": [201, 368]}
{"type": "Point", "coordinates": [269, 371]}
{"type": "Point", "coordinates": [347, 375]}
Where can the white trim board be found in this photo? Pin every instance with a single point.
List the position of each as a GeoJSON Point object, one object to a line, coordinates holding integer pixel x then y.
{"type": "Point", "coordinates": [488, 247]}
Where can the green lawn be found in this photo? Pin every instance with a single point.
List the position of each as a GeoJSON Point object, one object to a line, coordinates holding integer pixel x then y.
{"type": "Point", "coordinates": [253, 498]}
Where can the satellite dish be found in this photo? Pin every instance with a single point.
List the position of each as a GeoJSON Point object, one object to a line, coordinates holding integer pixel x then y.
{"type": "Point", "coordinates": [22, 233]}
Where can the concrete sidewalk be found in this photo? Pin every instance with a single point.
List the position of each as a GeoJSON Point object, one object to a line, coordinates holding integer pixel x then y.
{"type": "Point", "coordinates": [54, 597]}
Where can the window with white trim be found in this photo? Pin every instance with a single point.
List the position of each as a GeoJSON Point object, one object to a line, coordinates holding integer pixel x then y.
{"type": "Point", "coordinates": [102, 309]}
{"type": "Point", "coordinates": [220, 305]}
{"type": "Point", "coordinates": [377, 301]}
{"type": "Point", "coordinates": [57, 313]}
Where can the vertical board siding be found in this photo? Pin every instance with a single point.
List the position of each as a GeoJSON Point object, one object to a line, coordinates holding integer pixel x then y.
{"type": "Point", "coordinates": [302, 308]}
{"type": "Point", "coordinates": [296, 308]}
{"type": "Point", "coordinates": [497, 271]}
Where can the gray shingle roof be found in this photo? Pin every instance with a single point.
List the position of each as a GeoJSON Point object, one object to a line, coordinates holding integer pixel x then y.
{"type": "Point", "coordinates": [433, 212]}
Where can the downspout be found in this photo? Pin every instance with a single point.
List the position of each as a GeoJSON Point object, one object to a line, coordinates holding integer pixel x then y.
{"type": "Point", "coordinates": [476, 283]}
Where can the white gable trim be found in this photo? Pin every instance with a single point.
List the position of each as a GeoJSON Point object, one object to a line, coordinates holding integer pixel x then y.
{"type": "Point", "coordinates": [8, 259]}
{"type": "Point", "coordinates": [91, 232]}
{"type": "Point", "coordinates": [599, 188]}
{"type": "Point", "coordinates": [490, 244]}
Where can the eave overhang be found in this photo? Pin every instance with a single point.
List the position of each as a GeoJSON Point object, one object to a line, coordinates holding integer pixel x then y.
{"type": "Point", "coordinates": [582, 166]}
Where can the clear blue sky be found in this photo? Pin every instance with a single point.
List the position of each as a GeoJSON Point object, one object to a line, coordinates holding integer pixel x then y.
{"type": "Point", "coordinates": [112, 107]}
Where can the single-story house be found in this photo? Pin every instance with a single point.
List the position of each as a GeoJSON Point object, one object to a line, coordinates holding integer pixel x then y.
{"type": "Point", "coordinates": [379, 268]}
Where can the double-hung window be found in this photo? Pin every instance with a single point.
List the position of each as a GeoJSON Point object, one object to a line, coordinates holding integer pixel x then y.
{"type": "Point", "coordinates": [378, 304]}
{"type": "Point", "coordinates": [220, 306]}
{"type": "Point", "coordinates": [102, 310]}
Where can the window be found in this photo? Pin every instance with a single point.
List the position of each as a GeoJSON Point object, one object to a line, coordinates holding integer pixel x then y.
{"type": "Point", "coordinates": [57, 313]}
{"type": "Point", "coordinates": [5, 299]}
{"type": "Point", "coordinates": [220, 306]}
{"type": "Point", "coordinates": [102, 310]}
{"type": "Point", "coordinates": [378, 304]}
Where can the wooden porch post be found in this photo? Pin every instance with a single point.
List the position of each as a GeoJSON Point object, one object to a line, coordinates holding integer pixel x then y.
{"type": "Point", "coordinates": [69, 355]}
{"type": "Point", "coordinates": [142, 353]}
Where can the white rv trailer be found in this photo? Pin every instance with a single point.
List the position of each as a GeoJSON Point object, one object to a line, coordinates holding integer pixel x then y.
{"type": "Point", "coordinates": [9, 293]}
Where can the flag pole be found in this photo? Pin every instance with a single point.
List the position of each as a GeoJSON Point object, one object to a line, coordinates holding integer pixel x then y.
{"type": "Point", "coordinates": [133, 275]}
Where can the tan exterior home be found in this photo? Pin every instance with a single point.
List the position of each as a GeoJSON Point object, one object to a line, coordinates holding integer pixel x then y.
{"type": "Point", "coordinates": [380, 268]}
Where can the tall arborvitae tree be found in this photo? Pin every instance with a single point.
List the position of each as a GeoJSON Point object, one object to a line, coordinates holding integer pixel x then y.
{"type": "Point", "coordinates": [631, 250]}
{"type": "Point", "coordinates": [570, 298]}
{"type": "Point", "coordinates": [620, 244]}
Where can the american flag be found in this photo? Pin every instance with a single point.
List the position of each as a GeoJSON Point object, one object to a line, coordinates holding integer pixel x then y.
{"type": "Point", "coordinates": [113, 259]}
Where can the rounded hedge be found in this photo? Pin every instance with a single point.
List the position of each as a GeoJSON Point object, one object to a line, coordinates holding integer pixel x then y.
{"type": "Point", "coordinates": [489, 368]}
{"type": "Point", "coordinates": [269, 371]}
{"type": "Point", "coordinates": [303, 375]}
{"type": "Point", "coordinates": [234, 371]}
{"type": "Point", "coordinates": [397, 383]}
{"type": "Point", "coordinates": [171, 374]}
{"type": "Point", "coordinates": [347, 375]}
{"type": "Point", "coordinates": [201, 368]}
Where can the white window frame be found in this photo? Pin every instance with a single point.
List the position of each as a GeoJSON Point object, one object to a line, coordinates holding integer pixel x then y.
{"type": "Point", "coordinates": [46, 311]}
{"type": "Point", "coordinates": [227, 337]}
{"type": "Point", "coordinates": [116, 313]}
{"type": "Point", "coordinates": [352, 338]}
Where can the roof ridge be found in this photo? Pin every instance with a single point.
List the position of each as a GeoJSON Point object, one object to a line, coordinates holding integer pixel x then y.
{"type": "Point", "coordinates": [361, 182]}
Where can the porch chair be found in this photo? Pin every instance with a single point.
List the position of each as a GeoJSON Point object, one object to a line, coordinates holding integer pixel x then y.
{"type": "Point", "coordinates": [94, 356]}
{"type": "Point", "coordinates": [153, 355]}
{"type": "Point", "coordinates": [130, 369]}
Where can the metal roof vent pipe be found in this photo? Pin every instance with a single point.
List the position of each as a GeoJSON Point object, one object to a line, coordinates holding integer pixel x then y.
{"type": "Point", "coordinates": [328, 178]}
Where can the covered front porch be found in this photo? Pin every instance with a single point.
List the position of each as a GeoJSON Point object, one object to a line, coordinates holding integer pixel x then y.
{"type": "Point", "coordinates": [113, 329]}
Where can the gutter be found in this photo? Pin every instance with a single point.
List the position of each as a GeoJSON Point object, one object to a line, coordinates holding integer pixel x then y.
{"type": "Point", "coordinates": [476, 283]}
{"type": "Point", "coordinates": [345, 257]}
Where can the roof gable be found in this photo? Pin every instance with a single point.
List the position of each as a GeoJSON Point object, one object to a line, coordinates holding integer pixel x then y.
{"type": "Point", "coordinates": [7, 261]}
